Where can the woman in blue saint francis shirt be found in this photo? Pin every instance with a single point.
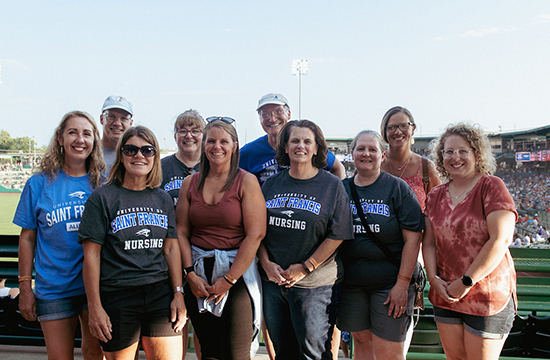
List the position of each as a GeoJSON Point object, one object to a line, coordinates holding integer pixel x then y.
{"type": "Point", "coordinates": [49, 214]}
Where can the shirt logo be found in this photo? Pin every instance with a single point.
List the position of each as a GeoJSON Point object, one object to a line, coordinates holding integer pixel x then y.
{"type": "Point", "coordinates": [78, 194]}
{"type": "Point", "coordinates": [143, 232]}
{"type": "Point", "coordinates": [288, 213]}
{"type": "Point", "coordinates": [72, 226]}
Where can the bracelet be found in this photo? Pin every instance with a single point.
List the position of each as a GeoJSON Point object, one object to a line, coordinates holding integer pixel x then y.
{"type": "Point", "coordinates": [433, 278]}
{"type": "Point", "coordinates": [403, 277]}
{"type": "Point", "coordinates": [230, 279]}
{"type": "Point", "coordinates": [314, 263]}
{"type": "Point", "coordinates": [178, 289]}
{"type": "Point", "coordinates": [306, 268]}
{"type": "Point", "coordinates": [24, 278]}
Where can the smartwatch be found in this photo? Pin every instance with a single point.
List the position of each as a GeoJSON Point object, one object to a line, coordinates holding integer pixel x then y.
{"type": "Point", "coordinates": [467, 281]}
{"type": "Point", "coordinates": [188, 270]}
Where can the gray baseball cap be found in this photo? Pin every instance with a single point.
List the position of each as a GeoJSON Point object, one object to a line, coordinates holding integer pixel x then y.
{"type": "Point", "coordinates": [117, 102]}
{"type": "Point", "coordinates": [272, 98]}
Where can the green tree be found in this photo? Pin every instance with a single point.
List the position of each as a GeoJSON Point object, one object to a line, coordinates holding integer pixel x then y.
{"type": "Point", "coordinates": [21, 143]}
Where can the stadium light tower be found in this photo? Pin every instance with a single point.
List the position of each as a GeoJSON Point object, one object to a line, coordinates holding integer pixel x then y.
{"type": "Point", "coordinates": [299, 67]}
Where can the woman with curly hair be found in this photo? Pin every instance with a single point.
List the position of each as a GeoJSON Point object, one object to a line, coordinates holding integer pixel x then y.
{"type": "Point", "coordinates": [49, 214]}
{"type": "Point", "coordinates": [469, 226]}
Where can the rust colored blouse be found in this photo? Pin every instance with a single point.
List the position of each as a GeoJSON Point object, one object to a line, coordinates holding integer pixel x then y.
{"type": "Point", "coordinates": [460, 232]}
{"type": "Point", "coordinates": [216, 226]}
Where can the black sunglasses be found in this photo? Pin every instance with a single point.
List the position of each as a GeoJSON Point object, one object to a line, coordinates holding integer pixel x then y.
{"type": "Point", "coordinates": [132, 150]}
{"type": "Point", "coordinates": [225, 119]}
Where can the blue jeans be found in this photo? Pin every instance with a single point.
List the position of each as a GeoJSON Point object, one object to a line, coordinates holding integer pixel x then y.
{"type": "Point", "coordinates": [300, 321]}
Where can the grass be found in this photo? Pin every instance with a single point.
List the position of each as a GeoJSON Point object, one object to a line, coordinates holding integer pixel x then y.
{"type": "Point", "coordinates": [8, 204]}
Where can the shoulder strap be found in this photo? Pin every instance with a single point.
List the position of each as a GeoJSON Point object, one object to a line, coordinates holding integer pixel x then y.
{"type": "Point", "coordinates": [425, 174]}
{"type": "Point", "coordinates": [389, 255]}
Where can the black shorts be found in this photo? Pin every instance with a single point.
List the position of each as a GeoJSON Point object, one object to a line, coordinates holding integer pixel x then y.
{"type": "Point", "coordinates": [496, 326]}
{"type": "Point", "coordinates": [138, 311]}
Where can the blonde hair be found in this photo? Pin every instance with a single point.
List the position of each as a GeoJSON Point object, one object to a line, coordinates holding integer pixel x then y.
{"type": "Point", "coordinates": [154, 178]}
{"type": "Point", "coordinates": [485, 162]}
{"type": "Point", "coordinates": [189, 117]}
{"type": "Point", "coordinates": [54, 159]}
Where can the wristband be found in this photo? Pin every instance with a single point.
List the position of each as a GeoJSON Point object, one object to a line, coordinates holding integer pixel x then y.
{"type": "Point", "coordinates": [403, 277]}
{"type": "Point", "coordinates": [230, 279]}
{"type": "Point", "coordinates": [188, 270]}
{"type": "Point", "coordinates": [313, 262]}
{"type": "Point", "coordinates": [178, 289]}
{"type": "Point", "coordinates": [306, 268]}
{"type": "Point", "coordinates": [24, 278]}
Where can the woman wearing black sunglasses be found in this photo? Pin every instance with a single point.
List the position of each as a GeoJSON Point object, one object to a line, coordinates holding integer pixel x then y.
{"type": "Point", "coordinates": [221, 219]}
{"type": "Point", "coordinates": [132, 262]}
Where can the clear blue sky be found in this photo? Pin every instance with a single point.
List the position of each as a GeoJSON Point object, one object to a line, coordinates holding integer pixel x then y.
{"type": "Point", "coordinates": [479, 61]}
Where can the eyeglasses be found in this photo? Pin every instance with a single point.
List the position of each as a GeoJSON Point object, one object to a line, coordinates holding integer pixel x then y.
{"type": "Point", "coordinates": [194, 132]}
{"type": "Point", "coordinates": [403, 127]}
{"type": "Point", "coordinates": [146, 150]}
{"type": "Point", "coordinates": [225, 119]}
{"type": "Point", "coordinates": [111, 118]}
{"type": "Point", "coordinates": [462, 153]}
{"type": "Point", "coordinates": [267, 114]}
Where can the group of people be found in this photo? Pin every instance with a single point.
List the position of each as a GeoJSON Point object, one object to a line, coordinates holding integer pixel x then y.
{"type": "Point", "coordinates": [229, 235]}
{"type": "Point", "coordinates": [529, 191]}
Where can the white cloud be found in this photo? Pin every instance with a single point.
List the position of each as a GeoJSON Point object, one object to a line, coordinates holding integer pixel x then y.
{"type": "Point", "coordinates": [545, 18]}
{"type": "Point", "coordinates": [487, 31]}
{"type": "Point", "coordinates": [10, 63]}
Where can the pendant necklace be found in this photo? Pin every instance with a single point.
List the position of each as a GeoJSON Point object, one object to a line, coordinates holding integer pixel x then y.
{"type": "Point", "coordinates": [466, 188]}
{"type": "Point", "coordinates": [404, 166]}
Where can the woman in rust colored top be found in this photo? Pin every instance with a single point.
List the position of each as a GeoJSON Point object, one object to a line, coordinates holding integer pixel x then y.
{"type": "Point", "coordinates": [469, 226]}
{"type": "Point", "coordinates": [221, 220]}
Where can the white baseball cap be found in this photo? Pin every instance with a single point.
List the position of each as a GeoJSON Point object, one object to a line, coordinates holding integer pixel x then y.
{"type": "Point", "coordinates": [272, 98]}
{"type": "Point", "coordinates": [117, 102]}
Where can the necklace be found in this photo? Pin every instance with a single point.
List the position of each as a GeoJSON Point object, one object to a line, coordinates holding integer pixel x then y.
{"type": "Point", "coordinates": [466, 188]}
{"type": "Point", "coordinates": [404, 166]}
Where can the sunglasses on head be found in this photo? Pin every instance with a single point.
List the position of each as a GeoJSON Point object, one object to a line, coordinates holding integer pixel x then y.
{"type": "Point", "coordinates": [132, 150]}
{"type": "Point", "coordinates": [225, 119]}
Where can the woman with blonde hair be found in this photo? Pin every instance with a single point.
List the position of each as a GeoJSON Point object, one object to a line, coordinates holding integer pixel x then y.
{"type": "Point", "coordinates": [49, 214]}
{"type": "Point", "coordinates": [132, 261]}
{"type": "Point", "coordinates": [469, 226]}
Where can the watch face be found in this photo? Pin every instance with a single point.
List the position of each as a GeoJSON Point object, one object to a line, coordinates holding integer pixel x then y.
{"type": "Point", "coordinates": [467, 281]}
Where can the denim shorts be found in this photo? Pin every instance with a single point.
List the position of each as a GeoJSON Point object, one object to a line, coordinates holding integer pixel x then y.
{"type": "Point", "coordinates": [496, 327]}
{"type": "Point", "coordinates": [48, 310]}
{"type": "Point", "coordinates": [361, 309]}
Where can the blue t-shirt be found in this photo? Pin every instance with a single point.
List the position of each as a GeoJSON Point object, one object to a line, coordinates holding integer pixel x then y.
{"type": "Point", "coordinates": [53, 207]}
{"type": "Point", "coordinates": [258, 158]}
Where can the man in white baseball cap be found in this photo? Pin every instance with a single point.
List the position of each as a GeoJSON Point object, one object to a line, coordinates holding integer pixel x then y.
{"type": "Point", "coordinates": [116, 117]}
{"type": "Point", "coordinates": [258, 156]}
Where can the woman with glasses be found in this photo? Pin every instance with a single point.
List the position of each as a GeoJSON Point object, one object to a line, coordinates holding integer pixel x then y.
{"type": "Point", "coordinates": [49, 212]}
{"type": "Point", "coordinates": [308, 218]}
{"type": "Point", "coordinates": [188, 130]}
{"type": "Point", "coordinates": [221, 221]}
{"type": "Point", "coordinates": [132, 261]}
{"type": "Point", "coordinates": [377, 294]}
{"type": "Point", "coordinates": [469, 225]}
{"type": "Point", "coordinates": [397, 129]}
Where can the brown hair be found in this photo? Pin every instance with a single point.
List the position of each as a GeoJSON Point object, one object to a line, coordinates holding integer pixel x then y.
{"type": "Point", "coordinates": [319, 160]}
{"type": "Point", "coordinates": [204, 168]}
{"type": "Point", "coordinates": [154, 178]}
{"type": "Point", "coordinates": [394, 110]}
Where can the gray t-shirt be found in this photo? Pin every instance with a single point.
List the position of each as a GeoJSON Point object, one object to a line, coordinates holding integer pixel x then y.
{"type": "Point", "coordinates": [131, 226]}
{"type": "Point", "coordinates": [390, 206]}
{"type": "Point", "coordinates": [110, 157]}
{"type": "Point", "coordinates": [301, 214]}
{"type": "Point", "coordinates": [173, 174]}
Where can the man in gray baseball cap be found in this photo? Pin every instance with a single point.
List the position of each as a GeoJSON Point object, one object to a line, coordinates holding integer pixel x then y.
{"type": "Point", "coordinates": [116, 117]}
{"type": "Point", "coordinates": [258, 156]}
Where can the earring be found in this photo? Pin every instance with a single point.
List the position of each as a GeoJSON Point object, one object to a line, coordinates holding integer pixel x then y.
{"type": "Point", "coordinates": [61, 149]}
{"type": "Point", "coordinates": [412, 141]}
